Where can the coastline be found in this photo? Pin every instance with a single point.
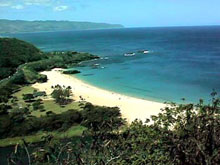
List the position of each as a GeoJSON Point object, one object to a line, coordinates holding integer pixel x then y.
{"type": "Point", "coordinates": [131, 108]}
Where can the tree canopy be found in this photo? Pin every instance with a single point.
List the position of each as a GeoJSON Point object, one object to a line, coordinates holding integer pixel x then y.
{"type": "Point", "coordinates": [180, 134]}
{"type": "Point", "coordinates": [14, 52]}
{"type": "Point", "coordinates": [62, 94]}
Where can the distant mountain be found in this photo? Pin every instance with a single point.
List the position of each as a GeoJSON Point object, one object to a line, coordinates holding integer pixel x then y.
{"type": "Point", "coordinates": [17, 26]}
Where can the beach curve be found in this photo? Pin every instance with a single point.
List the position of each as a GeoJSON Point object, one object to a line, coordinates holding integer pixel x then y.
{"type": "Point", "coordinates": [131, 108]}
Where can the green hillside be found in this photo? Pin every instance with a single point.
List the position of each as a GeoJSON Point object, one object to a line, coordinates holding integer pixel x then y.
{"type": "Point", "coordinates": [14, 52]}
{"type": "Point", "coordinates": [17, 26]}
{"type": "Point", "coordinates": [21, 62]}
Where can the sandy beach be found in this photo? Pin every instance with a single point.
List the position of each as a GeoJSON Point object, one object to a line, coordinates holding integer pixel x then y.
{"type": "Point", "coordinates": [131, 108]}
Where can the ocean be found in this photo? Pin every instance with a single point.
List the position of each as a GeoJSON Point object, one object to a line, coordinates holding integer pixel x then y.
{"type": "Point", "coordinates": [183, 62]}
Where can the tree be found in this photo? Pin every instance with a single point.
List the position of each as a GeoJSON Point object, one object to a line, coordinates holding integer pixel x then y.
{"type": "Point", "coordinates": [192, 132]}
{"type": "Point", "coordinates": [28, 97]}
{"type": "Point", "coordinates": [180, 134]}
{"type": "Point", "coordinates": [4, 108]}
{"type": "Point", "coordinates": [62, 94]}
{"type": "Point", "coordinates": [37, 105]}
{"type": "Point", "coordinates": [101, 119]}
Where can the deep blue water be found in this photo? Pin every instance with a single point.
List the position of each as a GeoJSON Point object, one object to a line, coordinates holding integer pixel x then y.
{"type": "Point", "coordinates": [184, 61]}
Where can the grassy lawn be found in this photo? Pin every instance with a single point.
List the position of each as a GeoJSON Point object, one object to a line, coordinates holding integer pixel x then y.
{"type": "Point", "coordinates": [23, 90]}
{"type": "Point", "coordinates": [49, 104]}
{"type": "Point", "coordinates": [73, 131]}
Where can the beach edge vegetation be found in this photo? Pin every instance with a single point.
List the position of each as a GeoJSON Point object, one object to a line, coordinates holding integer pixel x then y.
{"type": "Point", "coordinates": [180, 134]}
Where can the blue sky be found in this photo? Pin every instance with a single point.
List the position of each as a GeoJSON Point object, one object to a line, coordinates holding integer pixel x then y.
{"type": "Point", "coordinates": [131, 13]}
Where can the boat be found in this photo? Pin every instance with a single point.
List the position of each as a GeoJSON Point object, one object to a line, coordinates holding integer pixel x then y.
{"type": "Point", "coordinates": [146, 51]}
{"type": "Point", "coordinates": [95, 66]}
{"type": "Point", "coordinates": [129, 54]}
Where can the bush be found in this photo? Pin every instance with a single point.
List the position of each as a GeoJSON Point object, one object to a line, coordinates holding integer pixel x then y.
{"type": "Point", "coordinates": [4, 109]}
{"type": "Point", "coordinates": [42, 78]}
{"type": "Point", "coordinates": [37, 105]}
{"type": "Point", "coordinates": [99, 118]}
{"type": "Point", "coordinates": [28, 97]}
{"type": "Point", "coordinates": [71, 72]}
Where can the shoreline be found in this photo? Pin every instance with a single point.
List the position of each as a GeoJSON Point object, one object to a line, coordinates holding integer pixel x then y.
{"type": "Point", "coordinates": [131, 108]}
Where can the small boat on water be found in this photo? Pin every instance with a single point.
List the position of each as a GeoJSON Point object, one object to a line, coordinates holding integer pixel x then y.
{"type": "Point", "coordinates": [144, 51]}
{"type": "Point", "coordinates": [129, 54]}
{"type": "Point", "coordinates": [95, 66]}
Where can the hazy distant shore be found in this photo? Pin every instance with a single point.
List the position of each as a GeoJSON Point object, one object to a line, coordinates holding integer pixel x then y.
{"type": "Point", "coordinates": [22, 26]}
{"type": "Point", "coordinates": [131, 108]}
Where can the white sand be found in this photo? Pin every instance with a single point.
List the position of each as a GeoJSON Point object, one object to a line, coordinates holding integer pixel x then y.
{"type": "Point", "coordinates": [131, 108]}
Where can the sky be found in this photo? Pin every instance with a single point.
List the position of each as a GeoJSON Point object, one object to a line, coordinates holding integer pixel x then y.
{"type": "Point", "coordinates": [130, 13]}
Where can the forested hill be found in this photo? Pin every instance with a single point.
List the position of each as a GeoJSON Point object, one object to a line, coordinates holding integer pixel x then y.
{"type": "Point", "coordinates": [14, 52]}
{"type": "Point", "coordinates": [17, 26]}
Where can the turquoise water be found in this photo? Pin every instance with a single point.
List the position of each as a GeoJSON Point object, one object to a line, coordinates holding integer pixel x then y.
{"type": "Point", "coordinates": [184, 62]}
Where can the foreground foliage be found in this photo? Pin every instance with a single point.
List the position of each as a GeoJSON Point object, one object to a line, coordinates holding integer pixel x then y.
{"type": "Point", "coordinates": [180, 134]}
{"type": "Point", "coordinates": [18, 123]}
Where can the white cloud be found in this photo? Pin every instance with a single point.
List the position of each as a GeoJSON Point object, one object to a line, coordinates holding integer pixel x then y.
{"type": "Point", "coordinates": [21, 4]}
{"type": "Point", "coordinates": [60, 8]}
{"type": "Point", "coordinates": [18, 7]}
{"type": "Point", "coordinates": [37, 2]}
{"type": "Point", "coordinates": [4, 4]}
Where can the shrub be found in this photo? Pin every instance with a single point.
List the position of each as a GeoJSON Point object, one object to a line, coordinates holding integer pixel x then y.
{"type": "Point", "coordinates": [4, 109]}
{"type": "Point", "coordinates": [99, 118]}
{"type": "Point", "coordinates": [37, 105]}
{"type": "Point", "coordinates": [71, 72]}
{"type": "Point", "coordinates": [28, 97]}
